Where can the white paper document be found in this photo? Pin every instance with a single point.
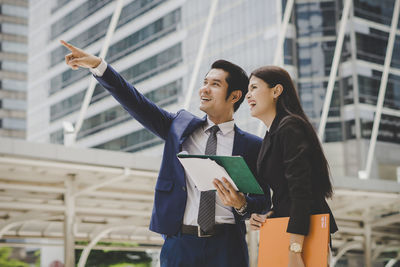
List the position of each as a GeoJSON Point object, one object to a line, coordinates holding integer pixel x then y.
{"type": "Point", "coordinates": [203, 172]}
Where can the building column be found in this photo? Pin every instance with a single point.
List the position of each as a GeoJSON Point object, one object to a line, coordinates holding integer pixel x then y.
{"type": "Point", "coordinates": [69, 222]}
{"type": "Point", "coordinates": [367, 244]}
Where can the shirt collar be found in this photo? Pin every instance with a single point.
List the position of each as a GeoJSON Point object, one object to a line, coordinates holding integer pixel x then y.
{"type": "Point", "coordinates": [225, 127]}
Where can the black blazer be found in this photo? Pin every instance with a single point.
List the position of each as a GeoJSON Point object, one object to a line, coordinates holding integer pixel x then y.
{"type": "Point", "coordinates": [289, 165]}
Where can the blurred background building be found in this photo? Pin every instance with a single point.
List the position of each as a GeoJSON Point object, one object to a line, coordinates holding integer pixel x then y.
{"type": "Point", "coordinates": [13, 67]}
{"type": "Point", "coordinates": [155, 46]}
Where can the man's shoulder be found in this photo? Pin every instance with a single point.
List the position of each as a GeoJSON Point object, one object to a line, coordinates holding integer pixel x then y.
{"type": "Point", "coordinates": [183, 113]}
{"type": "Point", "coordinates": [249, 136]}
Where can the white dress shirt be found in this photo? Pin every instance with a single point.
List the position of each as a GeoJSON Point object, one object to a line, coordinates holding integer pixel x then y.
{"type": "Point", "coordinates": [196, 144]}
{"type": "Point", "coordinates": [100, 69]}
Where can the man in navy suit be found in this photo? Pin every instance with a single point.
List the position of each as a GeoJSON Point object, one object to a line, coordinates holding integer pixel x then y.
{"type": "Point", "coordinates": [176, 200]}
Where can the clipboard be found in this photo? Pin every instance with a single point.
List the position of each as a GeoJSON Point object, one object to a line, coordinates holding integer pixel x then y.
{"type": "Point", "coordinates": [234, 168]}
{"type": "Point", "coordinates": [274, 242]}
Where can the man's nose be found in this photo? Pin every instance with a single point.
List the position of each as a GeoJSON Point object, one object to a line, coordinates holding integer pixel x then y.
{"type": "Point", "coordinates": [204, 89]}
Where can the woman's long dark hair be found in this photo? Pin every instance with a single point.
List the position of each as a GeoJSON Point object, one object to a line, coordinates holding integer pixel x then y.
{"type": "Point", "coordinates": [289, 107]}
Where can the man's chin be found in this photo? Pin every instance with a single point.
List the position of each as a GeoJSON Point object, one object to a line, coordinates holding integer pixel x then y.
{"type": "Point", "coordinates": [203, 108]}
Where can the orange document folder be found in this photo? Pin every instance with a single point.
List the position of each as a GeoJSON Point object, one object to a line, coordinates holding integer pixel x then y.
{"type": "Point", "coordinates": [274, 242]}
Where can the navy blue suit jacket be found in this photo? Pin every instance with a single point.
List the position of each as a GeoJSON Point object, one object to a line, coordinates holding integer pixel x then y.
{"type": "Point", "coordinates": [170, 191]}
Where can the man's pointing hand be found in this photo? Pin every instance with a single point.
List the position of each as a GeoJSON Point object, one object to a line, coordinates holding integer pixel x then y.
{"type": "Point", "coordinates": [79, 58]}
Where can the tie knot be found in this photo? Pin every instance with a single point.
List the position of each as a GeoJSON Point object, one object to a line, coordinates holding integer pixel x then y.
{"type": "Point", "coordinates": [214, 129]}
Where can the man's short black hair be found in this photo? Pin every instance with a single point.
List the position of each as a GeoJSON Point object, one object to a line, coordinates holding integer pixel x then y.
{"type": "Point", "coordinates": [237, 79]}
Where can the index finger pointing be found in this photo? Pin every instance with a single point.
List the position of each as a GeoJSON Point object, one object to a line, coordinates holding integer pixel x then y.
{"type": "Point", "coordinates": [67, 45]}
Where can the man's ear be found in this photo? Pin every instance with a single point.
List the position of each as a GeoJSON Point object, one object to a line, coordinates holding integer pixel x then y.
{"type": "Point", "coordinates": [278, 90]}
{"type": "Point", "coordinates": [236, 95]}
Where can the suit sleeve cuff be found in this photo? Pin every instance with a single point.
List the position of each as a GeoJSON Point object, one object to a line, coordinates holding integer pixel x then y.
{"type": "Point", "coordinates": [299, 221]}
{"type": "Point", "coordinates": [100, 69]}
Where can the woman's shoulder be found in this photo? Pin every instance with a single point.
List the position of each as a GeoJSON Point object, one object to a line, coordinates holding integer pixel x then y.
{"type": "Point", "coordinates": [292, 124]}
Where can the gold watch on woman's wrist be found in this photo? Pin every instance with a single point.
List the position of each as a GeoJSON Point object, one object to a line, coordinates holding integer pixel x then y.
{"type": "Point", "coordinates": [295, 247]}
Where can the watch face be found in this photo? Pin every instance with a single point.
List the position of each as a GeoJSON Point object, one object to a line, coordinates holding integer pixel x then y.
{"type": "Point", "coordinates": [295, 247]}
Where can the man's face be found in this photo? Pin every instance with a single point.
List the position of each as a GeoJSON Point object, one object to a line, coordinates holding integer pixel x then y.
{"type": "Point", "coordinates": [213, 94]}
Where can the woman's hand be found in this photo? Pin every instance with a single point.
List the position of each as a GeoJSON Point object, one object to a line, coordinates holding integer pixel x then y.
{"type": "Point", "coordinates": [228, 195]}
{"type": "Point", "coordinates": [295, 260]}
{"type": "Point", "coordinates": [257, 220]}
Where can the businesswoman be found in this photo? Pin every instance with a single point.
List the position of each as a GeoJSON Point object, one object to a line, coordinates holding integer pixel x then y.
{"type": "Point", "coordinates": [291, 160]}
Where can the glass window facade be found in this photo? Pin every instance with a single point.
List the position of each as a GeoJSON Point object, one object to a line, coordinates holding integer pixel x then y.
{"type": "Point", "coordinates": [13, 85]}
{"type": "Point", "coordinates": [75, 16]}
{"type": "Point", "coordinates": [333, 132]}
{"type": "Point", "coordinates": [135, 74]}
{"type": "Point", "coordinates": [389, 129]}
{"type": "Point", "coordinates": [14, 29]}
{"type": "Point", "coordinates": [315, 58]}
{"type": "Point", "coordinates": [59, 4]}
{"type": "Point", "coordinates": [94, 33]}
{"type": "Point", "coordinates": [13, 47]}
{"type": "Point", "coordinates": [15, 11]}
{"type": "Point", "coordinates": [14, 124]}
{"type": "Point", "coordinates": [163, 96]}
{"type": "Point", "coordinates": [13, 66]}
{"type": "Point", "coordinates": [14, 104]}
{"type": "Point", "coordinates": [289, 49]}
{"type": "Point", "coordinates": [372, 47]}
{"type": "Point", "coordinates": [133, 42]}
{"type": "Point", "coordinates": [133, 142]}
{"type": "Point", "coordinates": [378, 11]}
{"type": "Point", "coordinates": [315, 19]}
{"type": "Point", "coordinates": [369, 89]}
{"type": "Point", "coordinates": [57, 137]}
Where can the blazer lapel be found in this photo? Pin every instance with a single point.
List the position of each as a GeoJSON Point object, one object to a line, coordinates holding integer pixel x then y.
{"type": "Point", "coordinates": [239, 143]}
{"type": "Point", "coordinates": [265, 146]}
{"type": "Point", "coordinates": [194, 123]}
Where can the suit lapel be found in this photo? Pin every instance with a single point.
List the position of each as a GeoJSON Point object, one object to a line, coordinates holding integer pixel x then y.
{"type": "Point", "coordinates": [193, 124]}
{"type": "Point", "coordinates": [239, 143]}
{"type": "Point", "coordinates": [265, 146]}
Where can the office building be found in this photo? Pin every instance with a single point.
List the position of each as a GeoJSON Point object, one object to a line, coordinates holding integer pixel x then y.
{"type": "Point", "coordinates": [13, 67]}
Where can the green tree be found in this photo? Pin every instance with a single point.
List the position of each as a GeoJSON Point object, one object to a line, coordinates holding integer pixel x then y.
{"type": "Point", "coordinates": [5, 260]}
{"type": "Point", "coordinates": [102, 258]}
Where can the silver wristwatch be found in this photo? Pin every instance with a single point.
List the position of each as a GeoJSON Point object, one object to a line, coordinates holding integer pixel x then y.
{"type": "Point", "coordinates": [242, 210]}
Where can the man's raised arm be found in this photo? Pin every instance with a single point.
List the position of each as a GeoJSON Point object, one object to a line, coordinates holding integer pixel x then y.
{"type": "Point", "coordinates": [142, 109]}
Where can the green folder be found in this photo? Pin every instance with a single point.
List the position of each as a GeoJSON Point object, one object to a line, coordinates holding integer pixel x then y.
{"type": "Point", "coordinates": [237, 169]}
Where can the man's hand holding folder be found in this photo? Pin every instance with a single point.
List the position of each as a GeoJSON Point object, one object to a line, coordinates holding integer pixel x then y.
{"type": "Point", "coordinates": [228, 195]}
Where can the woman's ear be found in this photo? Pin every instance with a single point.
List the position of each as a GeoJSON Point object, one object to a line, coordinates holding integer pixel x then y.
{"type": "Point", "coordinates": [278, 90]}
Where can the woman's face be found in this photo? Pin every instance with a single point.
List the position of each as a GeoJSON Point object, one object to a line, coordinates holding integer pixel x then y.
{"type": "Point", "coordinates": [260, 98]}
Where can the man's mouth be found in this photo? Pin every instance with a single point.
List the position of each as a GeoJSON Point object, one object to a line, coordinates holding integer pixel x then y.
{"type": "Point", "coordinates": [205, 99]}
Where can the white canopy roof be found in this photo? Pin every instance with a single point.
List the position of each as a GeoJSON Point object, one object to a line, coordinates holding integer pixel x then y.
{"type": "Point", "coordinates": [111, 189]}
{"type": "Point", "coordinates": [110, 196]}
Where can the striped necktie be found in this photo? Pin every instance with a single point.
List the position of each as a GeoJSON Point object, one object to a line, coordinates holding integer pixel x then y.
{"type": "Point", "coordinates": [206, 216]}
